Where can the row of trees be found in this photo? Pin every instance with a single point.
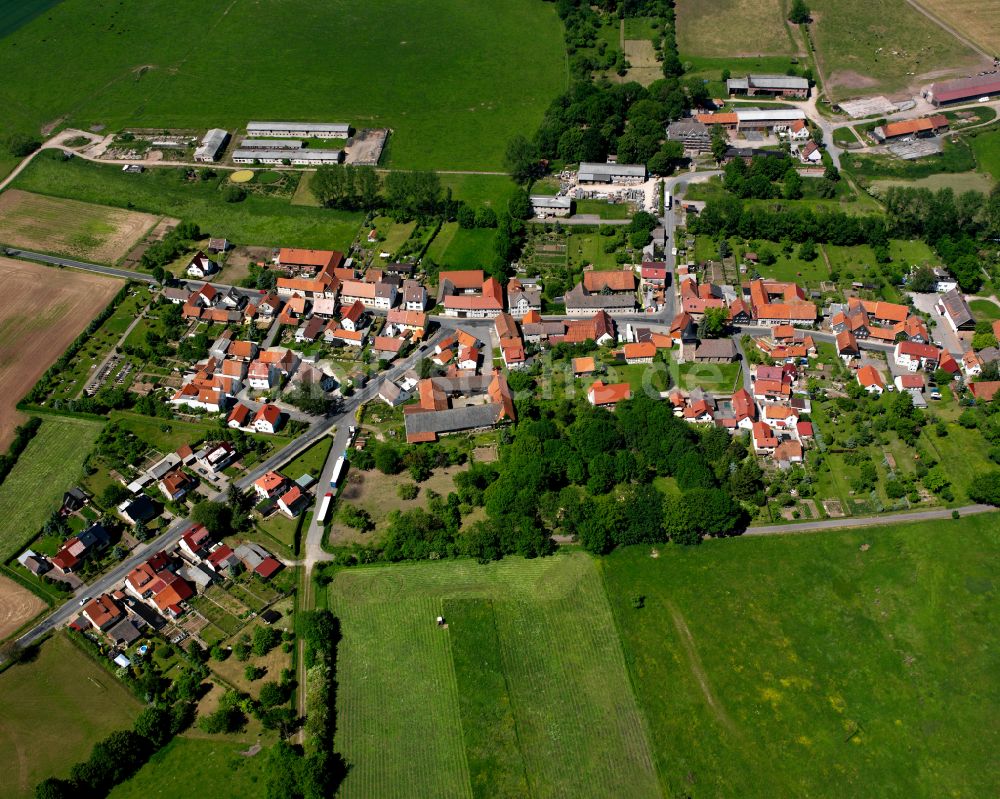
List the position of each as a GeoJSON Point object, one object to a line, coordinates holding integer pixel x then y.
{"type": "Point", "coordinates": [413, 194]}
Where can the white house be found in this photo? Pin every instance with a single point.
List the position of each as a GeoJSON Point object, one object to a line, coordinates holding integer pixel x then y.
{"type": "Point", "coordinates": [200, 266]}
{"type": "Point", "coordinates": [262, 376]}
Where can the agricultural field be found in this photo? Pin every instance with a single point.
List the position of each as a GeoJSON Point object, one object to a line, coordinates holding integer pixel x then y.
{"type": "Point", "coordinates": [421, 711]}
{"type": "Point", "coordinates": [986, 147]}
{"type": "Point", "coordinates": [49, 465]}
{"type": "Point", "coordinates": [732, 28]}
{"type": "Point", "coordinates": [125, 72]}
{"type": "Point", "coordinates": [260, 219]}
{"type": "Point", "coordinates": [958, 182]}
{"type": "Point", "coordinates": [223, 769]}
{"type": "Point", "coordinates": [37, 326]}
{"type": "Point", "coordinates": [817, 665]}
{"type": "Point", "coordinates": [66, 227]}
{"type": "Point", "coordinates": [970, 18]}
{"type": "Point", "coordinates": [17, 606]}
{"type": "Point", "coordinates": [52, 711]}
{"type": "Point", "coordinates": [866, 48]}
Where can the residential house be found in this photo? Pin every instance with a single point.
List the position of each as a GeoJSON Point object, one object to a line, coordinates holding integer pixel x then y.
{"type": "Point", "coordinates": [200, 266]}
{"type": "Point", "coordinates": [486, 402]}
{"type": "Point", "coordinates": [972, 364]}
{"type": "Point", "coordinates": [379, 296]}
{"type": "Point", "coordinates": [811, 153]}
{"type": "Point", "coordinates": [195, 541]}
{"type": "Point", "coordinates": [138, 510]}
{"type": "Point", "coordinates": [521, 300]}
{"type": "Point", "coordinates": [269, 485]}
{"type": "Point", "coordinates": [583, 366]}
{"type": "Point", "coordinates": [847, 345]}
{"type": "Point", "coordinates": [913, 356]}
{"type": "Point", "coordinates": [775, 303]}
{"type": "Point", "coordinates": [469, 294]}
{"type": "Point", "coordinates": [296, 262]}
{"type": "Point", "coordinates": [292, 502]}
{"type": "Point", "coordinates": [351, 319]}
{"type": "Point", "coordinates": [262, 376]}
{"type": "Point", "coordinates": [103, 612]}
{"type": "Point", "coordinates": [764, 439]}
{"type": "Point", "coordinates": [601, 394]}
{"type": "Point", "coordinates": [386, 347]}
{"type": "Point", "coordinates": [176, 483]}
{"type": "Point", "coordinates": [544, 205]}
{"type": "Point", "coordinates": [953, 307]}
{"type": "Point", "coordinates": [213, 458]}
{"type": "Point", "coordinates": [239, 416]}
{"type": "Point", "coordinates": [870, 380]}
{"type": "Point", "coordinates": [268, 418]}
{"type": "Point", "coordinates": [414, 296]}
{"type": "Point", "coordinates": [639, 353]}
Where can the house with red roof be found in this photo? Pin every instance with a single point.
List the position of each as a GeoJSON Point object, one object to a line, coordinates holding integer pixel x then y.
{"type": "Point", "coordinates": [268, 418]}
{"type": "Point", "coordinates": [601, 394]}
{"type": "Point", "coordinates": [470, 294]}
{"type": "Point", "coordinates": [239, 416]}
{"type": "Point", "coordinates": [269, 485]}
{"type": "Point", "coordinates": [639, 352]}
{"type": "Point", "coordinates": [913, 356]}
{"type": "Point", "coordinates": [870, 380]}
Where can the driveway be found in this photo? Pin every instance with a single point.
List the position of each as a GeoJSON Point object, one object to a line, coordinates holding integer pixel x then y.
{"type": "Point", "coordinates": [942, 333]}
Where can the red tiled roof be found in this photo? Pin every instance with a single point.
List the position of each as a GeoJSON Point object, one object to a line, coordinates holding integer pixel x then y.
{"type": "Point", "coordinates": [617, 280]}
{"type": "Point", "coordinates": [601, 393]}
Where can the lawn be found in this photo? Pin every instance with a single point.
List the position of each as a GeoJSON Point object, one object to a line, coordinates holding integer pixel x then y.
{"type": "Point", "coordinates": [852, 263]}
{"type": "Point", "coordinates": [453, 80]}
{"type": "Point", "coordinates": [424, 711]}
{"type": "Point", "coordinates": [52, 711]}
{"type": "Point", "coordinates": [459, 248]}
{"type": "Point", "coordinates": [732, 28]}
{"type": "Point", "coordinates": [585, 249]}
{"type": "Point", "coordinates": [794, 269]}
{"type": "Point", "coordinates": [51, 463]}
{"type": "Point", "coordinates": [984, 309]}
{"type": "Point", "coordinates": [958, 182]}
{"type": "Point", "coordinates": [815, 665]}
{"type": "Point", "coordinates": [911, 252]}
{"type": "Point", "coordinates": [986, 147]}
{"type": "Point", "coordinates": [718, 377]}
{"type": "Point", "coordinates": [477, 190]}
{"type": "Point", "coordinates": [217, 766]}
{"type": "Point", "coordinates": [844, 136]}
{"type": "Point", "coordinates": [309, 462]}
{"type": "Point", "coordinates": [604, 210]}
{"type": "Point", "coordinates": [869, 48]}
{"type": "Point", "coordinates": [259, 219]}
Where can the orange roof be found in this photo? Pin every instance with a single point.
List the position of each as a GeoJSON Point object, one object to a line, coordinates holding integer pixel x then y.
{"type": "Point", "coordinates": [505, 326]}
{"type": "Point", "coordinates": [783, 331]}
{"type": "Point", "coordinates": [890, 311]}
{"type": "Point", "coordinates": [321, 283]}
{"type": "Point", "coordinates": [846, 340]}
{"type": "Point", "coordinates": [242, 349]}
{"type": "Point", "coordinates": [499, 392]}
{"type": "Point", "coordinates": [869, 376]}
{"type": "Point", "coordinates": [465, 279]}
{"type": "Point", "coordinates": [583, 366]}
{"type": "Point", "coordinates": [778, 412]}
{"type": "Point", "coordinates": [907, 126]}
{"type": "Point", "coordinates": [466, 339]}
{"type": "Point", "coordinates": [662, 341]}
{"type": "Point", "coordinates": [102, 610]}
{"type": "Point", "coordinates": [532, 318]}
{"type": "Point", "coordinates": [269, 413]}
{"type": "Point", "coordinates": [618, 280]}
{"type": "Point", "coordinates": [763, 436]}
{"type": "Point", "coordinates": [986, 390]}
{"type": "Point", "coordinates": [269, 482]}
{"type": "Point", "coordinates": [318, 258]}
{"type": "Point", "coordinates": [646, 349]}
{"type": "Point", "coordinates": [601, 393]}
{"type": "Point", "coordinates": [743, 405]}
{"type": "Point", "coordinates": [727, 118]}
{"type": "Point", "coordinates": [432, 398]}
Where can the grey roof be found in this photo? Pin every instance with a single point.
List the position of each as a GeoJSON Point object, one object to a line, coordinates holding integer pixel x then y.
{"type": "Point", "coordinates": [716, 348]}
{"type": "Point", "coordinates": [301, 127]}
{"type": "Point", "coordinates": [686, 127]}
{"type": "Point", "coordinates": [956, 306]}
{"type": "Point", "coordinates": [543, 329]}
{"type": "Point", "coordinates": [295, 156]}
{"type": "Point", "coordinates": [989, 355]}
{"type": "Point", "coordinates": [212, 143]}
{"type": "Point", "coordinates": [125, 632]}
{"type": "Point", "coordinates": [592, 171]}
{"type": "Point", "coordinates": [172, 293]}
{"type": "Point", "coordinates": [532, 295]}
{"type": "Point", "coordinates": [545, 201]}
{"type": "Point", "coordinates": [577, 298]}
{"type": "Point", "coordinates": [769, 82]}
{"type": "Point", "coordinates": [454, 419]}
{"type": "Point", "coordinates": [271, 144]}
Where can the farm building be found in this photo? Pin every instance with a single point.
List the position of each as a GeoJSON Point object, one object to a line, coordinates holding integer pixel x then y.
{"type": "Point", "coordinates": [926, 126]}
{"type": "Point", "coordinates": [542, 205]}
{"type": "Point", "coordinates": [212, 145]}
{"type": "Point", "coordinates": [308, 130]}
{"type": "Point", "coordinates": [693, 134]}
{"type": "Point", "coordinates": [954, 91]}
{"type": "Point", "coordinates": [611, 173]}
{"type": "Point", "coordinates": [727, 121]}
{"type": "Point", "coordinates": [771, 85]}
{"type": "Point", "coordinates": [277, 157]}
{"type": "Point", "coordinates": [768, 118]}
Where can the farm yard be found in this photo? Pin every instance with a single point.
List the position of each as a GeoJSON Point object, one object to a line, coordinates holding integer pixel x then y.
{"type": "Point", "coordinates": [838, 668]}
{"type": "Point", "coordinates": [36, 326]}
{"type": "Point", "coordinates": [52, 711]}
{"type": "Point", "coordinates": [49, 465]}
{"type": "Point", "coordinates": [17, 606]}
{"type": "Point", "coordinates": [410, 692]}
{"type": "Point", "coordinates": [66, 227]}
{"type": "Point", "coordinates": [127, 73]}
{"type": "Point", "coordinates": [866, 48]}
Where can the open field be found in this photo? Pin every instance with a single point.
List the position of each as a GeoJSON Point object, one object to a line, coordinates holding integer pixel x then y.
{"type": "Point", "coordinates": [971, 18]}
{"type": "Point", "coordinates": [401, 724]}
{"type": "Point", "coordinates": [957, 182]}
{"type": "Point", "coordinates": [500, 67]}
{"type": "Point", "coordinates": [17, 605]}
{"type": "Point", "coordinates": [458, 248]}
{"type": "Point", "coordinates": [52, 711]}
{"type": "Point", "coordinates": [15, 15]}
{"type": "Point", "coordinates": [816, 666]}
{"type": "Point", "coordinates": [731, 28]}
{"type": "Point", "coordinates": [37, 325]}
{"type": "Point", "coordinates": [869, 48]}
{"type": "Point", "coordinates": [66, 227]}
{"type": "Point", "coordinates": [48, 466]}
{"type": "Point", "coordinates": [986, 147]}
{"type": "Point", "coordinates": [259, 219]}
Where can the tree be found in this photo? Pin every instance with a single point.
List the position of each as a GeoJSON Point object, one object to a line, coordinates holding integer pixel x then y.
{"type": "Point", "coordinates": [466, 217]}
{"type": "Point", "coordinates": [519, 205]}
{"type": "Point", "coordinates": [715, 322]}
{"type": "Point", "coordinates": [55, 788]}
{"type": "Point", "coordinates": [215, 516]}
{"type": "Point", "coordinates": [154, 724]}
{"type": "Point", "coordinates": [264, 640]}
{"type": "Point", "coordinates": [799, 14]}
{"type": "Point", "coordinates": [807, 250]}
{"type": "Point", "coordinates": [985, 488]}
{"type": "Point", "coordinates": [113, 495]}
{"type": "Point", "coordinates": [522, 160]}
{"type": "Point", "coordinates": [20, 145]}
{"type": "Point", "coordinates": [793, 185]}
{"type": "Point", "coordinates": [234, 194]}
{"type": "Point", "coordinates": [719, 144]}
{"type": "Point", "coordinates": [271, 695]}
{"type": "Point", "coordinates": [922, 280]}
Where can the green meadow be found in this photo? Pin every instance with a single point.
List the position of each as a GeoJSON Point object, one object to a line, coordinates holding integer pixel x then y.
{"type": "Point", "coordinates": [453, 79]}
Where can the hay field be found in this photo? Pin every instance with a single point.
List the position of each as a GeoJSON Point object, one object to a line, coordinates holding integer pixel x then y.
{"type": "Point", "coordinates": [42, 310]}
{"type": "Point", "coordinates": [67, 227]}
{"type": "Point", "coordinates": [976, 20]}
{"type": "Point", "coordinates": [52, 711]}
{"type": "Point", "coordinates": [732, 28]}
{"type": "Point", "coordinates": [17, 605]}
{"type": "Point", "coordinates": [426, 711]}
{"type": "Point", "coordinates": [867, 47]}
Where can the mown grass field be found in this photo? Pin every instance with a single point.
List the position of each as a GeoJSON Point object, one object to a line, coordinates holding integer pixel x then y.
{"type": "Point", "coordinates": [402, 725]}
{"type": "Point", "coordinates": [813, 666]}
{"type": "Point", "coordinates": [984, 309]}
{"type": "Point", "coordinates": [454, 80]}
{"type": "Point", "coordinates": [732, 28]}
{"type": "Point", "coordinates": [258, 220]}
{"type": "Point", "coordinates": [221, 771]}
{"type": "Point", "coordinates": [52, 711]}
{"type": "Point", "coordinates": [970, 18]}
{"type": "Point", "coordinates": [459, 248]}
{"type": "Point", "coordinates": [986, 147]}
{"type": "Point", "coordinates": [887, 46]}
{"type": "Point", "coordinates": [49, 465]}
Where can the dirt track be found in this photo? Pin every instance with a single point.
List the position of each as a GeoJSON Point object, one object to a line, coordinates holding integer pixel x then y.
{"type": "Point", "coordinates": [17, 605]}
{"type": "Point", "coordinates": [42, 309]}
